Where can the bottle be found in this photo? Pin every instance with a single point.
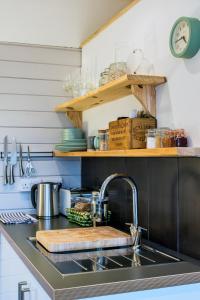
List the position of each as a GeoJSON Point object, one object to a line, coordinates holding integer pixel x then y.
{"type": "Point", "coordinates": [95, 211]}
{"type": "Point", "coordinates": [151, 138]}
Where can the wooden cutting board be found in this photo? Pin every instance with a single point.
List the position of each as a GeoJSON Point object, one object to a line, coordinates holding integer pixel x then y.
{"type": "Point", "coordinates": [82, 238]}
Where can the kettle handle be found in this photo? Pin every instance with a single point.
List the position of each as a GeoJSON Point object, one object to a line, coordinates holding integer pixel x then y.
{"type": "Point", "coordinates": [33, 189]}
{"type": "Point", "coordinates": [57, 186]}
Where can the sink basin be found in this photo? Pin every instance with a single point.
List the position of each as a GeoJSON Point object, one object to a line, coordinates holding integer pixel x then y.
{"type": "Point", "coordinates": [101, 259]}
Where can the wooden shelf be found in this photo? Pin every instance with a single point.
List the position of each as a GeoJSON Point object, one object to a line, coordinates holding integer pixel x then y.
{"type": "Point", "coordinates": [109, 92]}
{"type": "Point", "coordinates": [140, 86]}
{"type": "Point", "coordinates": [158, 152]}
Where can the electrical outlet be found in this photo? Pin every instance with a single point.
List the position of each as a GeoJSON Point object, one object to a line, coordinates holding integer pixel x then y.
{"type": "Point", "coordinates": [25, 185]}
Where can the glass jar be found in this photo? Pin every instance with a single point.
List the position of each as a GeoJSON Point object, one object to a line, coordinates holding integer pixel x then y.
{"type": "Point", "coordinates": [181, 139]}
{"type": "Point", "coordinates": [103, 139]}
{"type": "Point", "coordinates": [151, 138]}
{"type": "Point", "coordinates": [117, 70]}
{"type": "Point", "coordinates": [173, 138]}
{"type": "Point", "coordinates": [158, 137]}
{"type": "Point", "coordinates": [104, 77]}
{"type": "Point", "coordinates": [165, 139]}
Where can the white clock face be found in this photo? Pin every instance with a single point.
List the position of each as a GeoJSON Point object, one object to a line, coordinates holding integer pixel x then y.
{"type": "Point", "coordinates": [181, 37]}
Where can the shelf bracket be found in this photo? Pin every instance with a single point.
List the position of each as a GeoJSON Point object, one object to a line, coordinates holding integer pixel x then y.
{"type": "Point", "coordinates": [75, 117]}
{"type": "Point", "coordinates": [146, 95]}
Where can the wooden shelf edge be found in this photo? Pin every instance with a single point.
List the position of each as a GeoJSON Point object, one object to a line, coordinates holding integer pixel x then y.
{"type": "Point", "coordinates": [158, 152]}
{"type": "Point", "coordinates": [109, 22]}
{"type": "Point", "coordinates": [116, 85]}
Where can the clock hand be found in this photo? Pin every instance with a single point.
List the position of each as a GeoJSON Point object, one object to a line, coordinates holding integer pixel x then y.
{"type": "Point", "coordinates": [181, 38]}
{"type": "Point", "coordinates": [184, 39]}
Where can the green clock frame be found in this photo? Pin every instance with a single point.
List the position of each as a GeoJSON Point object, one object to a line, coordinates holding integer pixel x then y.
{"type": "Point", "coordinates": [194, 38]}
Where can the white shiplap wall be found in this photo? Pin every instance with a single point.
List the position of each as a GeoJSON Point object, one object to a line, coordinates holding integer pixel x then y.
{"type": "Point", "coordinates": [31, 85]}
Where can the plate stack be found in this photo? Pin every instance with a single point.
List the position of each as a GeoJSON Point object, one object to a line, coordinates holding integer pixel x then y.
{"type": "Point", "coordinates": [73, 139]}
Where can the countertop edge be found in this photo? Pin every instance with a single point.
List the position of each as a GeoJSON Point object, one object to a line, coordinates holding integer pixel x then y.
{"type": "Point", "coordinates": [128, 286]}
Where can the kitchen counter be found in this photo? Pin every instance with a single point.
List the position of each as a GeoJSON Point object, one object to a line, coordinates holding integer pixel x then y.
{"type": "Point", "coordinates": [78, 286]}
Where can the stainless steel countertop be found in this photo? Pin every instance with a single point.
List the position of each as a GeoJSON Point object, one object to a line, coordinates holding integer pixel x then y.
{"type": "Point", "coordinates": [86, 285]}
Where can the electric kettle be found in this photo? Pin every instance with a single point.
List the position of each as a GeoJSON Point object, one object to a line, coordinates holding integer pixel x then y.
{"type": "Point", "coordinates": [45, 198]}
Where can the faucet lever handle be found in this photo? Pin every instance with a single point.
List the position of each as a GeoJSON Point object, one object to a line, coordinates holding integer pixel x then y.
{"type": "Point", "coordinates": [139, 227]}
{"type": "Point", "coordinates": [142, 228]}
{"type": "Point", "coordinates": [133, 228]}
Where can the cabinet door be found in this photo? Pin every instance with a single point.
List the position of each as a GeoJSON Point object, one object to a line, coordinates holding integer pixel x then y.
{"type": "Point", "coordinates": [14, 271]}
{"type": "Point", "coordinates": [8, 296]}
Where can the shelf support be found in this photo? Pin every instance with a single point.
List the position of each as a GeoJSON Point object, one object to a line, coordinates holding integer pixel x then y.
{"type": "Point", "coordinates": [75, 117]}
{"type": "Point", "coordinates": [146, 95]}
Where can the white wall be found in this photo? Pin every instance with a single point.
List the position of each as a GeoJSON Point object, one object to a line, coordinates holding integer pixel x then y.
{"type": "Point", "coordinates": [31, 84]}
{"type": "Point", "coordinates": [54, 22]}
{"type": "Point", "coordinates": [147, 25]}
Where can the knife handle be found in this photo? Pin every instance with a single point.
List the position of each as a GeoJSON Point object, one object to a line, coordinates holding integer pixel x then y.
{"type": "Point", "coordinates": [12, 179]}
{"type": "Point", "coordinates": [5, 175]}
{"type": "Point", "coordinates": [21, 170]}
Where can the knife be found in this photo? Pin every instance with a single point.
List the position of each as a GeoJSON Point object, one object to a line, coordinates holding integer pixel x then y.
{"type": "Point", "coordinates": [13, 160]}
{"type": "Point", "coordinates": [5, 160]}
{"type": "Point", "coordinates": [21, 170]}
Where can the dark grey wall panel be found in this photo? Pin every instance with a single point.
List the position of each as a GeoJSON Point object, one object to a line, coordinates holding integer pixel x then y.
{"type": "Point", "coordinates": [95, 171]}
{"type": "Point", "coordinates": [157, 182]}
{"type": "Point", "coordinates": [189, 205]}
{"type": "Point", "coordinates": [169, 197]}
{"type": "Point", "coordinates": [163, 195]}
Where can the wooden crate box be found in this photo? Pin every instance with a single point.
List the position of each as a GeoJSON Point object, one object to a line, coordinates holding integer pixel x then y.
{"type": "Point", "coordinates": [129, 133]}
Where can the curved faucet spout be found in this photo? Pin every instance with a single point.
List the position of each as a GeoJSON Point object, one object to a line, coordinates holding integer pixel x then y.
{"type": "Point", "coordinates": [133, 186]}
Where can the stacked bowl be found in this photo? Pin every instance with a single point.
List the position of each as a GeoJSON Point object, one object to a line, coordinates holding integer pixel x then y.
{"type": "Point", "coordinates": [73, 139]}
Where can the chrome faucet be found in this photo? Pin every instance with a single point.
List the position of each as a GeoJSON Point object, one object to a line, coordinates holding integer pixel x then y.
{"type": "Point", "coordinates": [135, 230]}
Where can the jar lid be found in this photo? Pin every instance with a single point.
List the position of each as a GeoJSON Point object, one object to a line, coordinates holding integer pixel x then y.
{"type": "Point", "coordinates": [151, 130]}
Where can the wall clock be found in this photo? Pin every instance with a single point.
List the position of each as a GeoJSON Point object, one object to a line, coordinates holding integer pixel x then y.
{"type": "Point", "coordinates": [185, 37]}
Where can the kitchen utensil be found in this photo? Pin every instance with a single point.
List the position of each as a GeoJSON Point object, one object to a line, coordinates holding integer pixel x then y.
{"type": "Point", "coordinates": [29, 169]}
{"type": "Point", "coordinates": [5, 160]}
{"type": "Point", "coordinates": [45, 198]}
{"type": "Point", "coordinates": [13, 160]}
{"type": "Point", "coordinates": [82, 238]}
{"type": "Point", "coordinates": [21, 169]}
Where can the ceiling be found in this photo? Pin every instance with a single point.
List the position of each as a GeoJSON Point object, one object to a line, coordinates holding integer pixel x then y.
{"type": "Point", "coordinates": [54, 22]}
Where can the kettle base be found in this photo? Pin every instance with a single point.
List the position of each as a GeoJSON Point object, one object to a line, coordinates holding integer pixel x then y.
{"type": "Point", "coordinates": [47, 217]}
